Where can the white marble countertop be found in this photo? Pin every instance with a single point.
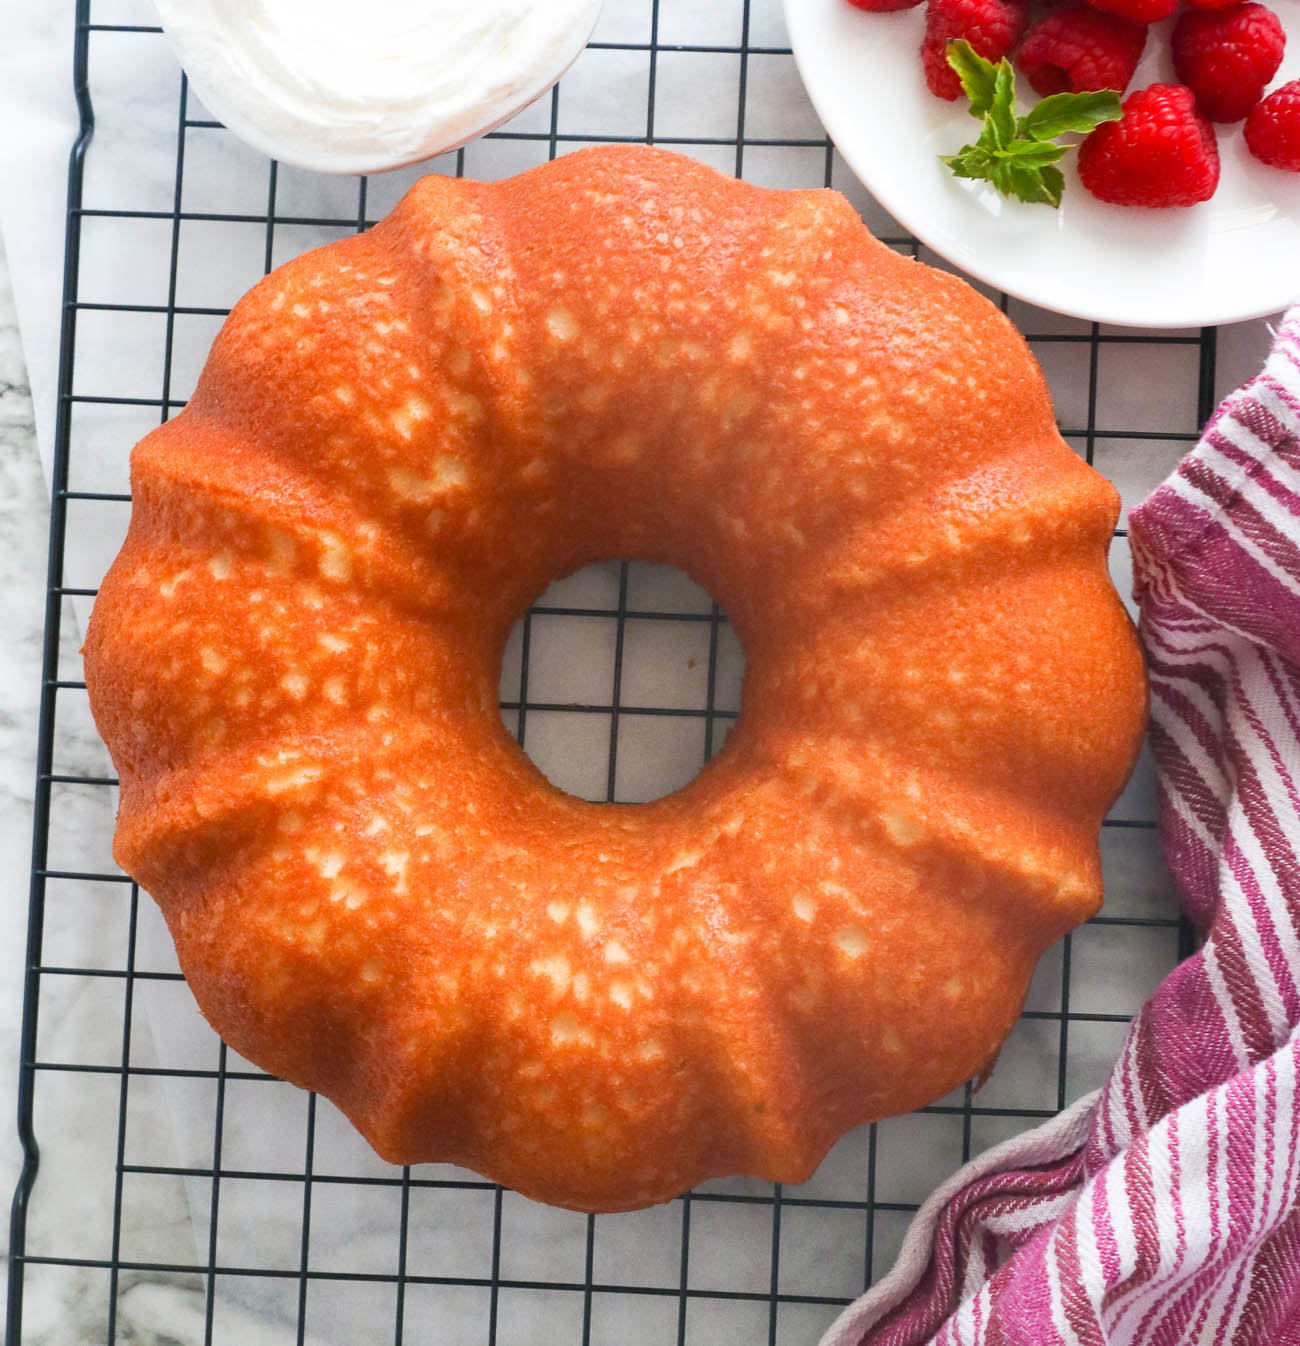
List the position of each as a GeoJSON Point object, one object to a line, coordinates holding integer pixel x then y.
{"type": "Point", "coordinates": [24, 515]}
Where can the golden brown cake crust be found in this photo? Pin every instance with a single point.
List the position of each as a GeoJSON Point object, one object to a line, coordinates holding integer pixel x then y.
{"type": "Point", "coordinates": [398, 441]}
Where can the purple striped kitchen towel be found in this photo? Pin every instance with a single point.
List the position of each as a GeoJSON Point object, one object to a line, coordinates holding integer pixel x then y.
{"type": "Point", "coordinates": [1164, 1208]}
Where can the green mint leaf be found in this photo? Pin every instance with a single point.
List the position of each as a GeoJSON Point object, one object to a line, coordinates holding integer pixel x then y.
{"type": "Point", "coordinates": [1025, 169]}
{"type": "Point", "coordinates": [990, 138]}
{"type": "Point", "coordinates": [1061, 113]}
{"type": "Point", "coordinates": [970, 162]}
{"type": "Point", "coordinates": [1035, 153]}
{"type": "Point", "coordinates": [1019, 155]}
{"type": "Point", "coordinates": [1002, 114]}
{"type": "Point", "coordinates": [1002, 177]}
{"type": "Point", "coordinates": [977, 75]}
{"type": "Point", "coordinates": [1038, 186]}
{"type": "Point", "coordinates": [1053, 181]}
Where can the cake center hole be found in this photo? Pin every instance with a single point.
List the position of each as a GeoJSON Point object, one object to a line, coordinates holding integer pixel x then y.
{"type": "Point", "coordinates": [622, 681]}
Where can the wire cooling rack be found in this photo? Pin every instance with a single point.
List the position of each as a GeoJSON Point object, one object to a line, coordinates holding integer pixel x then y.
{"type": "Point", "coordinates": [165, 1210]}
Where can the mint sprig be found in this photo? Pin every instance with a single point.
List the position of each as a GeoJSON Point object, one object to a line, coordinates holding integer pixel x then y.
{"type": "Point", "coordinates": [1018, 155]}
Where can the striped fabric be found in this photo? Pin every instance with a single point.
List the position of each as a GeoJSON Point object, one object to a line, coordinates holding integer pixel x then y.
{"type": "Point", "coordinates": [1164, 1210]}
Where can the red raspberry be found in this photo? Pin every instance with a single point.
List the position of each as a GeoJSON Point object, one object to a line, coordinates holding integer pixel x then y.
{"type": "Point", "coordinates": [1273, 128]}
{"type": "Point", "coordinates": [1138, 11]}
{"type": "Point", "coordinates": [885, 6]}
{"type": "Point", "coordinates": [1227, 57]}
{"type": "Point", "coordinates": [1212, 4]}
{"type": "Point", "coordinates": [1078, 49]}
{"type": "Point", "coordinates": [992, 27]}
{"type": "Point", "coordinates": [1163, 153]}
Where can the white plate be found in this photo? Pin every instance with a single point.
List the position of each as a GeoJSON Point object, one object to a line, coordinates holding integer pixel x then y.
{"type": "Point", "coordinates": [1236, 256]}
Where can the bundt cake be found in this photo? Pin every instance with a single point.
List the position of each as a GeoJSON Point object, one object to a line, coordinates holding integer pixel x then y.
{"type": "Point", "coordinates": [397, 442]}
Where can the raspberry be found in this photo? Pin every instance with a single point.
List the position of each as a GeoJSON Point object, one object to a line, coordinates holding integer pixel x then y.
{"type": "Point", "coordinates": [1212, 4]}
{"type": "Point", "coordinates": [992, 27]}
{"type": "Point", "coordinates": [1138, 11]}
{"type": "Point", "coordinates": [885, 6]}
{"type": "Point", "coordinates": [1077, 49]}
{"type": "Point", "coordinates": [1227, 57]}
{"type": "Point", "coordinates": [1273, 128]}
{"type": "Point", "coordinates": [1163, 152]}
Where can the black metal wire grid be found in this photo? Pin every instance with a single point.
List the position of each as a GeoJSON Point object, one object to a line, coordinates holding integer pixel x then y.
{"type": "Point", "coordinates": [819, 1245]}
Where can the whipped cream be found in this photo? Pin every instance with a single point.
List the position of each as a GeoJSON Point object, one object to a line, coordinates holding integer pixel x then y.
{"type": "Point", "coordinates": [357, 86]}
